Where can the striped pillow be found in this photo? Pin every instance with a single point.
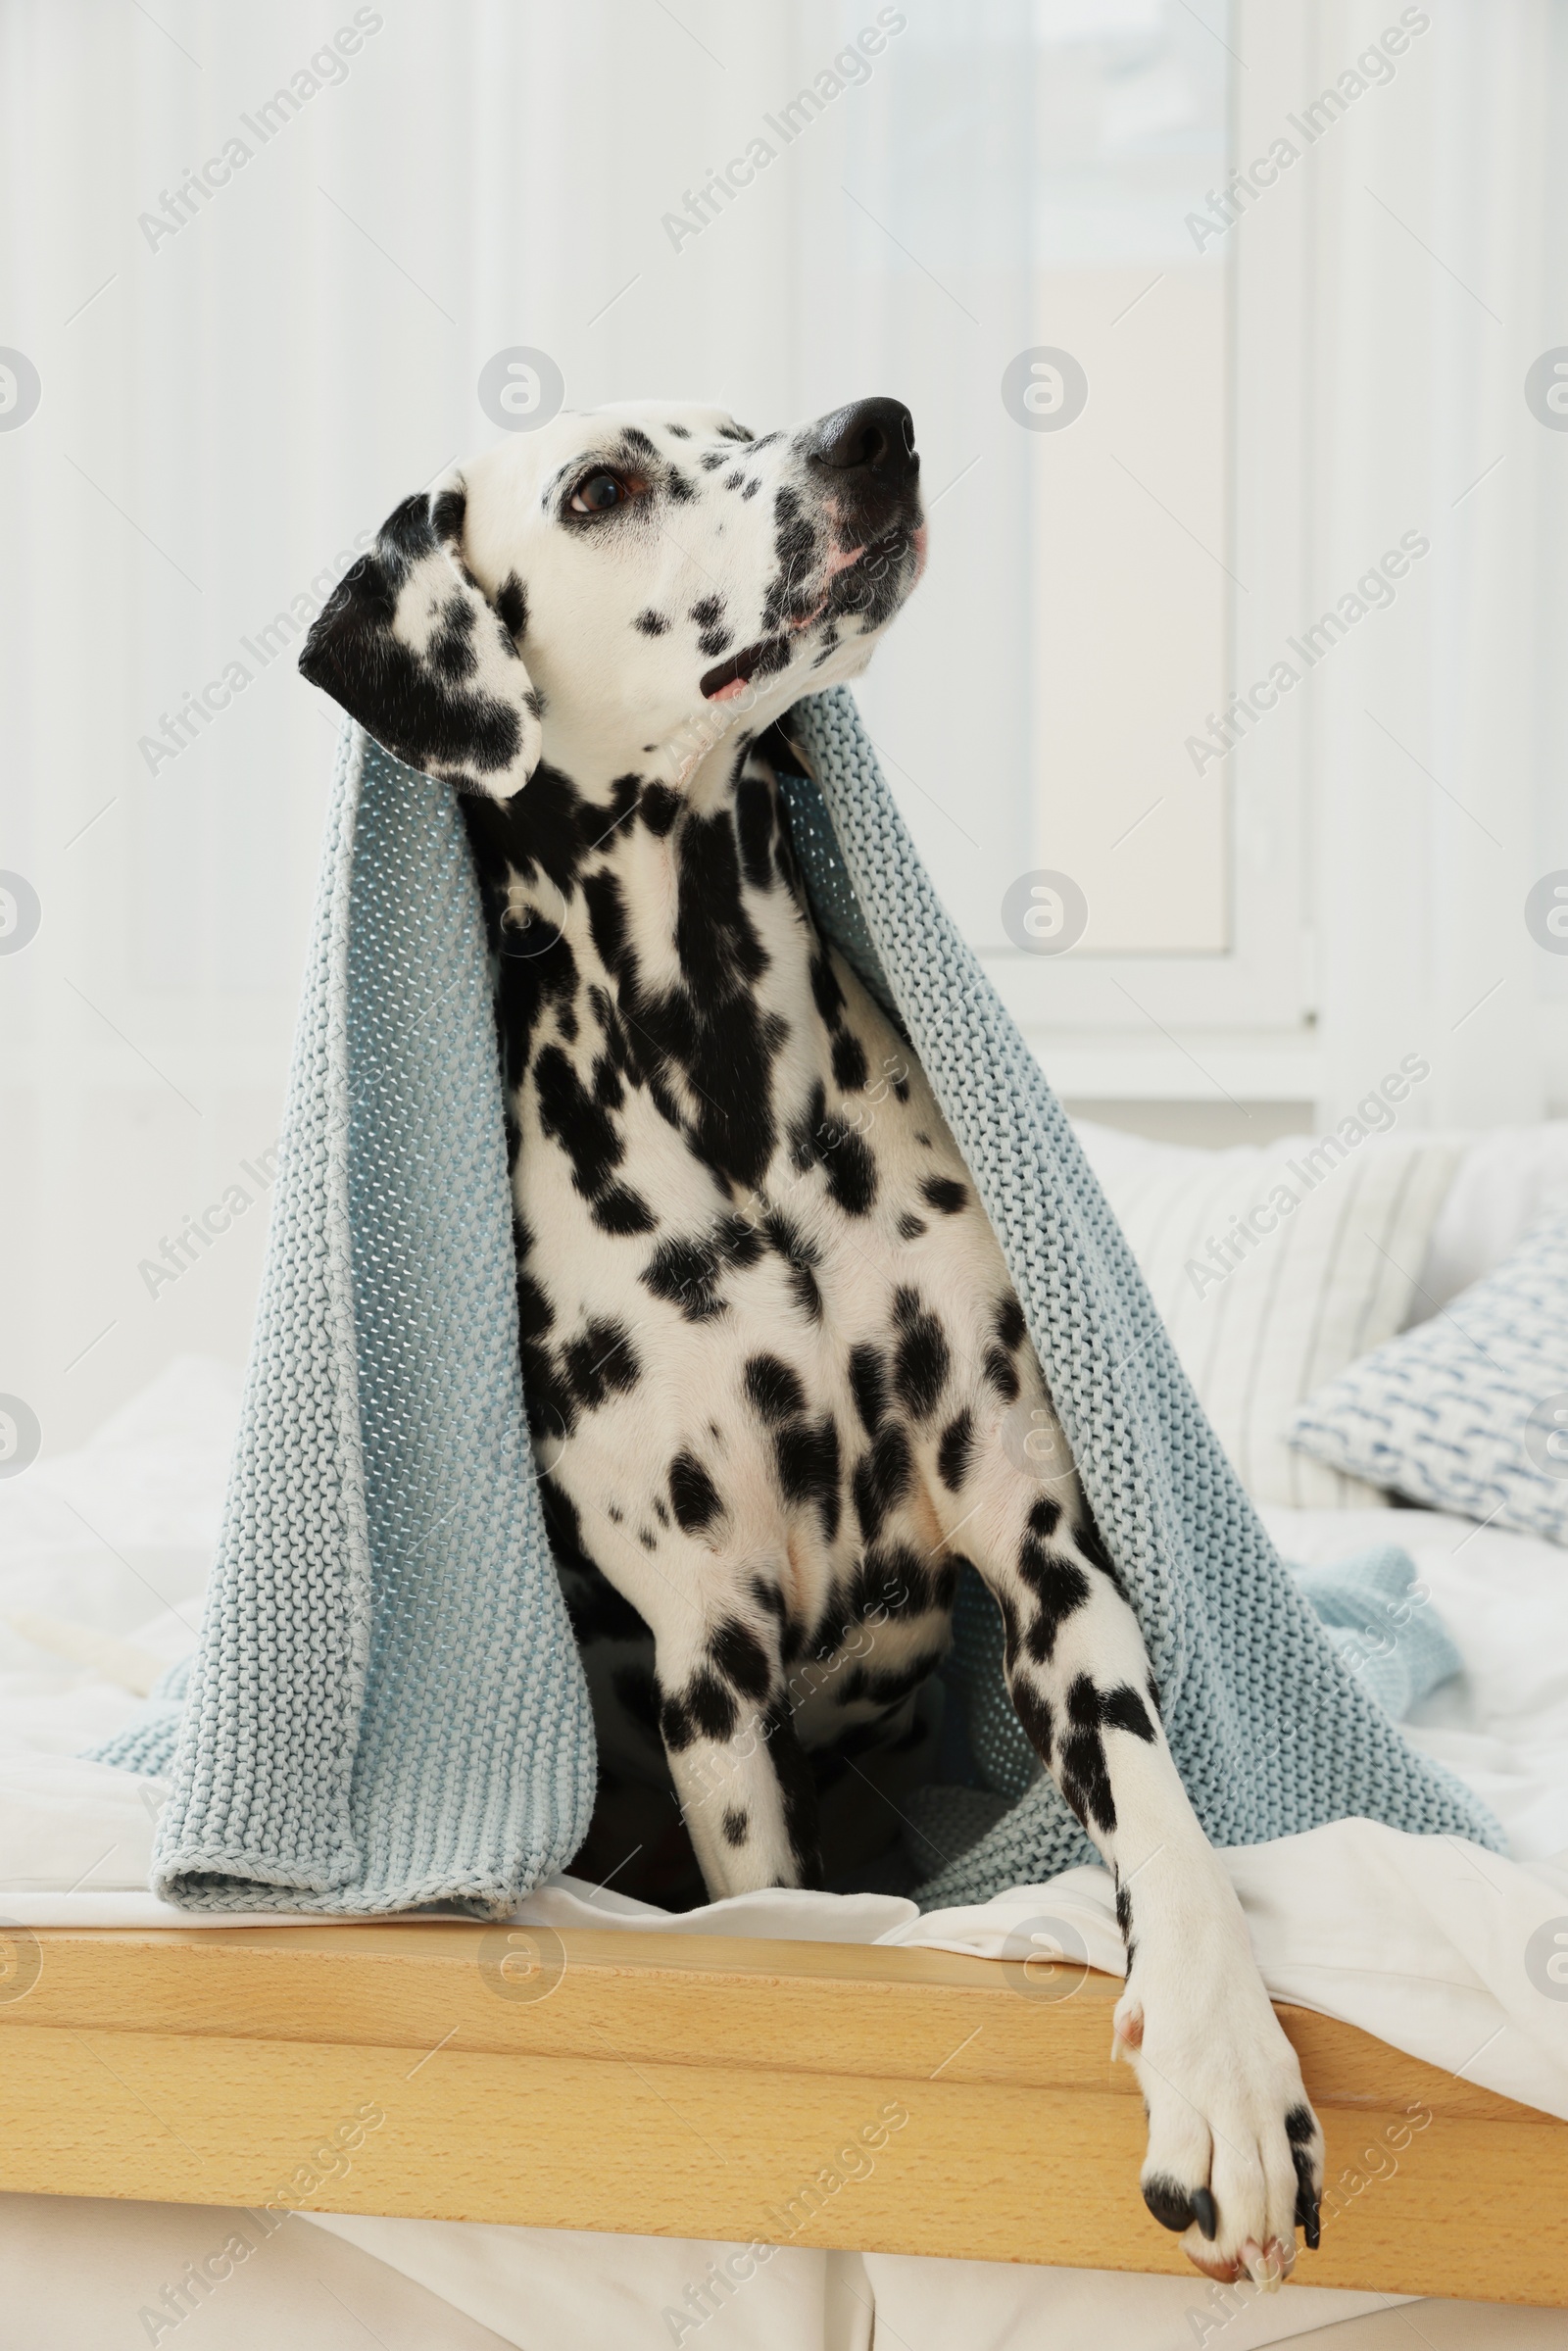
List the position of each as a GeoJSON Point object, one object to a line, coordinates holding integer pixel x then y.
{"type": "Point", "coordinates": [1468, 1413]}
{"type": "Point", "coordinates": [1274, 1270]}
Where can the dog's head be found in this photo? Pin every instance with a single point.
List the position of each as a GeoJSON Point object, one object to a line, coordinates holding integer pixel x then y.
{"type": "Point", "coordinates": [621, 586]}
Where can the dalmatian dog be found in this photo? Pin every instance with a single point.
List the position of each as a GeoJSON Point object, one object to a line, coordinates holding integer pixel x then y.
{"type": "Point", "coordinates": [774, 1366]}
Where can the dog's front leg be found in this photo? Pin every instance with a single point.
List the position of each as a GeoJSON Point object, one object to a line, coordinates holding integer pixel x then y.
{"type": "Point", "coordinates": [725, 1715]}
{"type": "Point", "coordinates": [1235, 2153]}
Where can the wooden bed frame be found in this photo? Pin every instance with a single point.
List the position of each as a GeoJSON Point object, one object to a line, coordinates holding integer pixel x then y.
{"type": "Point", "coordinates": [688, 2086]}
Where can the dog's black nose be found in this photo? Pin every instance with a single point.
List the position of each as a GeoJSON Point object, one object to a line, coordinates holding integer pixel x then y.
{"type": "Point", "coordinates": [871, 438]}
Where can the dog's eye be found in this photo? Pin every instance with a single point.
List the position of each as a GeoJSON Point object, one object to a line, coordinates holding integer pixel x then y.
{"type": "Point", "coordinates": [598, 494]}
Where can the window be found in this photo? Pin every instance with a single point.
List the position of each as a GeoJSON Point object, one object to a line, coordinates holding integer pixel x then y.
{"type": "Point", "coordinates": [1100, 605]}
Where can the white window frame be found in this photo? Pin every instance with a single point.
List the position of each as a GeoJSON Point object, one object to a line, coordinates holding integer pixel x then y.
{"type": "Point", "coordinates": [1239, 1023]}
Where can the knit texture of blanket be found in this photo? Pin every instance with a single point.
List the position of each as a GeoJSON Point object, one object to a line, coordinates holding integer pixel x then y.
{"type": "Point", "coordinates": [386, 1707]}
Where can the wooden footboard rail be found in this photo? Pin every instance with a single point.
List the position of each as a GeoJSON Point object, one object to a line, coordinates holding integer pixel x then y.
{"type": "Point", "coordinates": [688, 2086]}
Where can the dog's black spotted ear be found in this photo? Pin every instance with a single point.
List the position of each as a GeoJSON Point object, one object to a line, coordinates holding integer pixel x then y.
{"type": "Point", "coordinates": [411, 648]}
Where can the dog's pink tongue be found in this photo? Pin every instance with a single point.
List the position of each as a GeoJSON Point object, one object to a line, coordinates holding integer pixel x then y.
{"type": "Point", "coordinates": [736, 686]}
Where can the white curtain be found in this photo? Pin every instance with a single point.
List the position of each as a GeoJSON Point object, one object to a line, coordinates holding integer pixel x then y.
{"type": "Point", "coordinates": [1438, 736]}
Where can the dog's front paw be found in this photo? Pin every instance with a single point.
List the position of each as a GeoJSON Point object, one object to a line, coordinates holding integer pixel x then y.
{"type": "Point", "coordinates": [1235, 2159]}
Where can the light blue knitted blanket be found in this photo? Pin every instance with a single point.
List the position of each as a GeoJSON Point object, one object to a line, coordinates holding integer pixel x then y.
{"type": "Point", "coordinates": [386, 1707]}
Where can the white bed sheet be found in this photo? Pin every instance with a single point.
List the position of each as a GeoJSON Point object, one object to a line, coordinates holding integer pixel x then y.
{"type": "Point", "coordinates": [1426, 1943]}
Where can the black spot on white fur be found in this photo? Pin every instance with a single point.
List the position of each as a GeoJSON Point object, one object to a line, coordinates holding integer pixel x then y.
{"type": "Point", "coordinates": [921, 1357]}
{"type": "Point", "coordinates": [774, 1388]}
{"type": "Point", "coordinates": [694, 1498]}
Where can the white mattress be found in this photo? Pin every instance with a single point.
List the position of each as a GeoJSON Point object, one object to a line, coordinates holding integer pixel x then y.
{"type": "Point", "coordinates": [1419, 1940]}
